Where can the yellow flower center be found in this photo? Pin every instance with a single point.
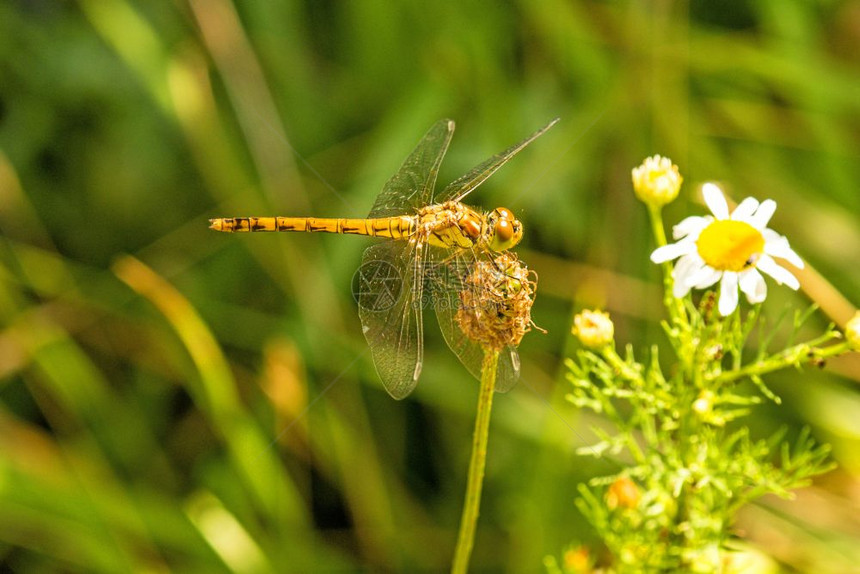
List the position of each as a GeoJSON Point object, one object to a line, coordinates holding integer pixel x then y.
{"type": "Point", "coordinates": [730, 245]}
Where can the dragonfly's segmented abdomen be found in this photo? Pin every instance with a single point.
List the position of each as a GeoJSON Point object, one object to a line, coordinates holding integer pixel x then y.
{"type": "Point", "coordinates": [391, 227]}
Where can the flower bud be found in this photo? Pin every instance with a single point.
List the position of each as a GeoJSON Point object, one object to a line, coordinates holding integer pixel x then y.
{"type": "Point", "coordinates": [623, 493]}
{"type": "Point", "coordinates": [705, 559]}
{"type": "Point", "coordinates": [657, 181]}
{"type": "Point", "coordinates": [577, 560]}
{"type": "Point", "coordinates": [742, 559]}
{"type": "Point", "coordinates": [594, 329]}
{"type": "Point", "coordinates": [704, 404]}
{"type": "Point", "coordinates": [852, 331]}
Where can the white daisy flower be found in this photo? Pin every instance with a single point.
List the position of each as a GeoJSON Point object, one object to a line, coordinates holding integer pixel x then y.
{"type": "Point", "coordinates": [729, 248]}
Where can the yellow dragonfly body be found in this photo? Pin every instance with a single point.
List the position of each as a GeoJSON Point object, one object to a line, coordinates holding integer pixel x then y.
{"type": "Point", "coordinates": [450, 225]}
{"type": "Point", "coordinates": [434, 240]}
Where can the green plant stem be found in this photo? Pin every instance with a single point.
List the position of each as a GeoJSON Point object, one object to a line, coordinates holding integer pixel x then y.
{"type": "Point", "coordinates": [793, 356]}
{"type": "Point", "coordinates": [673, 305]}
{"type": "Point", "coordinates": [469, 519]}
{"type": "Point", "coordinates": [627, 372]}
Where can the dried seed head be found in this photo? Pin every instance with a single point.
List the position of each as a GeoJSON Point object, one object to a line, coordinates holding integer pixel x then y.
{"type": "Point", "coordinates": [496, 301]}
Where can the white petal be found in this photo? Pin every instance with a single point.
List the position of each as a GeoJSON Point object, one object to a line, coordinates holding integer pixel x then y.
{"type": "Point", "coordinates": [672, 251]}
{"type": "Point", "coordinates": [728, 293]}
{"type": "Point", "coordinates": [707, 277]}
{"type": "Point", "coordinates": [778, 247]}
{"type": "Point", "coordinates": [770, 235]}
{"type": "Point", "coordinates": [763, 214]}
{"type": "Point", "coordinates": [686, 265]}
{"type": "Point", "coordinates": [781, 274]}
{"type": "Point", "coordinates": [753, 285]}
{"type": "Point", "coordinates": [680, 289]}
{"type": "Point", "coordinates": [745, 209]}
{"type": "Point", "coordinates": [691, 226]}
{"type": "Point", "coordinates": [715, 201]}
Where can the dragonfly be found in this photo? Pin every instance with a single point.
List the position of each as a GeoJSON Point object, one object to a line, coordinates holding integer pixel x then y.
{"type": "Point", "coordinates": [432, 241]}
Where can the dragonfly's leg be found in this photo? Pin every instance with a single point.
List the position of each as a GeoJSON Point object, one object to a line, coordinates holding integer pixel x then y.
{"type": "Point", "coordinates": [454, 255]}
{"type": "Point", "coordinates": [462, 258]}
{"type": "Point", "coordinates": [496, 265]}
{"type": "Point", "coordinates": [461, 250]}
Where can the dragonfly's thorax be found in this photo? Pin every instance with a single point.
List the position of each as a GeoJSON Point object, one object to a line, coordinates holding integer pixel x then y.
{"type": "Point", "coordinates": [451, 225]}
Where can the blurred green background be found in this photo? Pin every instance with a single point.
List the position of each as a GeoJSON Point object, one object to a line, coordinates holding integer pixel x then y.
{"type": "Point", "coordinates": [209, 405]}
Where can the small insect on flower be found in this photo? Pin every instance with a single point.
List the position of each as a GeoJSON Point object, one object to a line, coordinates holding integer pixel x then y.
{"type": "Point", "coordinates": [657, 181]}
{"type": "Point", "coordinates": [729, 248]}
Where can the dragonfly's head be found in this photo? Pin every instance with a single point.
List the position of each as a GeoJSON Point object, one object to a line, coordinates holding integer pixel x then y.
{"type": "Point", "coordinates": [503, 230]}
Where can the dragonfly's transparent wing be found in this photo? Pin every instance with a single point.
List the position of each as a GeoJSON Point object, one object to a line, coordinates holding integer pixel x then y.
{"type": "Point", "coordinates": [463, 186]}
{"type": "Point", "coordinates": [412, 186]}
{"type": "Point", "coordinates": [389, 292]}
{"type": "Point", "coordinates": [508, 371]}
{"type": "Point", "coordinates": [445, 281]}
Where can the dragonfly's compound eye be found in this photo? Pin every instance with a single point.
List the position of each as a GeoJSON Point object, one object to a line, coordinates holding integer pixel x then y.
{"type": "Point", "coordinates": [506, 230]}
